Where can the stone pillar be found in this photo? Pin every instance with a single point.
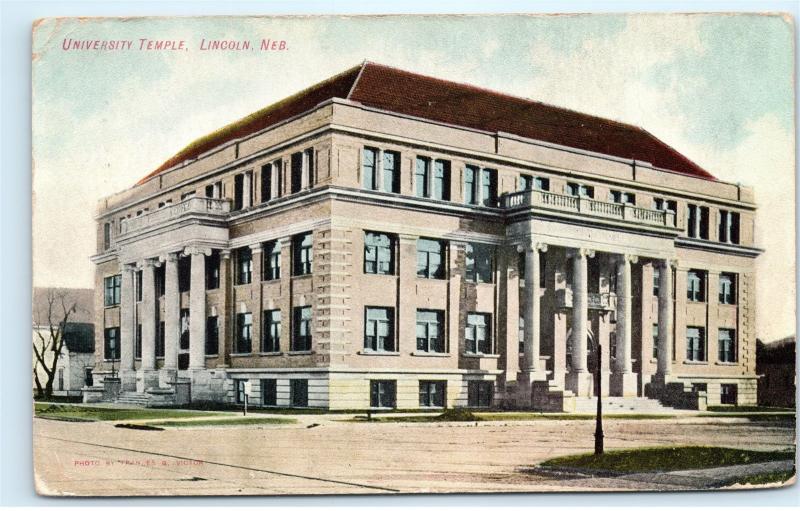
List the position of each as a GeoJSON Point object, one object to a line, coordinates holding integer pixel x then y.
{"type": "Point", "coordinates": [226, 318]}
{"type": "Point", "coordinates": [623, 380]}
{"type": "Point", "coordinates": [247, 190]}
{"type": "Point", "coordinates": [197, 310]}
{"type": "Point", "coordinates": [274, 190]}
{"type": "Point", "coordinates": [172, 312]}
{"type": "Point", "coordinates": [531, 369]}
{"type": "Point", "coordinates": [148, 377]}
{"type": "Point", "coordinates": [665, 319]}
{"type": "Point", "coordinates": [304, 173]}
{"type": "Point", "coordinates": [127, 338]}
{"type": "Point", "coordinates": [579, 379]}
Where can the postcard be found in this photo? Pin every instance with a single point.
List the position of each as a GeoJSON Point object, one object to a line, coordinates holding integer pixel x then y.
{"type": "Point", "coordinates": [317, 255]}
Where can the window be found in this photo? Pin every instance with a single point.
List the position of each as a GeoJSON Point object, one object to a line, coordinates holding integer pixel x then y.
{"type": "Point", "coordinates": [244, 332]}
{"type": "Point", "coordinates": [214, 190]}
{"type": "Point", "coordinates": [699, 387]}
{"type": "Point", "coordinates": [727, 288]}
{"type": "Point", "coordinates": [112, 290]}
{"type": "Point", "coordinates": [239, 389]}
{"type": "Point", "coordinates": [441, 180]}
{"type": "Point", "coordinates": [302, 253]}
{"type": "Point", "coordinates": [479, 394]}
{"type": "Point", "coordinates": [432, 394]}
{"type": "Point", "coordinates": [184, 332]}
{"type": "Point", "coordinates": [369, 168]}
{"type": "Point", "coordinates": [184, 274]}
{"type": "Point", "coordinates": [521, 336]}
{"type": "Point", "coordinates": [480, 186]}
{"type": "Point", "coordinates": [184, 196]}
{"type": "Point", "coordinates": [695, 344]}
{"type": "Point", "coordinates": [301, 334]}
{"type": "Point", "coordinates": [271, 331]}
{"type": "Point", "coordinates": [382, 393]}
{"type": "Point", "coordinates": [656, 280]}
{"type": "Point", "coordinates": [655, 340]}
{"type": "Point", "coordinates": [137, 348]}
{"type": "Point", "coordinates": [430, 259]}
{"type": "Point", "coordinates": [665, 205]}
{"type": "Point", "coordinates": [269, 392]}
{"type": "Point", "coordinates": [391, 172]}
{"type": "Point", "coordinates": [430, 331]}
{"type": "Point", "coordinates": [308, 166]}
{"type": "Point", "coordinates": [297, 172]}
{"type": "Point", "coordinates": [238, 192]}
{"type": "Point", "coordinates": [697, 221]}
{"type": "Point", "coordinates": [726, 340]}
{"type": "Point", "coordinates": [160, 280]}
{"type": "Point", "coordinates": [378, 253]}
{"type": "Point", "coordinates": [422, 177]}
{"type": "Point", "coordinates": [527, 182]}
{"type": "Point", "coordinates": [272, 260]}
{"type": "Point", "coordinates": [580, 190]}
{"type": "Point", "coordinates": [298, 393]}
{"type": "Point", "coordinates": [244, 265]}
{"type": "Point", "coordinates": [212, 335]}
{"type": "Point", "coordinates": [60, 378]}
{"type": "Point", "coordinates": [212, 270]}
{"type": "Point", "coordinates": [728, 394]}
{"type": "Point", "coordinates": [137, 285]}
{"type": "Point", "coordinates": [620, 197]}
{"type": "Point", "coordinates": [111, 344]}
{"type": "Point", "coordinates": [379, 329]}
{"type": "Point", "coordinates": [728, 227]}
{"type": "Point", "coordinates": [477, 334]}
{"type": "Point", "coordinates": [479, 262]}
{"type": "Point", "coordinates": [106, 236]}
{"type": "Point", "coordinates": [696, 286]}
{"type": "Point", "coordinates": [266, 182]}
{"type": "Point", "coordinates": [160, 341]}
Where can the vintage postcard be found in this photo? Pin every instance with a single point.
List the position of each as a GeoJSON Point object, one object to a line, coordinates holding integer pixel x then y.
{"type": "Point", "coordinates": [413, 254]}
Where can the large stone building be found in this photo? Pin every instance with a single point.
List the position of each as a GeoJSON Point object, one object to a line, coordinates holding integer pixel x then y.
{"type": "Point", "coordinates": [388, 239]}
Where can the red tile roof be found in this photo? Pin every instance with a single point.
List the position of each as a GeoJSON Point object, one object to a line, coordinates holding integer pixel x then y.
{"type": "Point", "coordinates": [412, 94]}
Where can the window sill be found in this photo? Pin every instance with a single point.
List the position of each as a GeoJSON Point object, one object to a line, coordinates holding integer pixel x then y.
{"type": "Point", "coordinates": [240, 355]}
{"type": "Point", "coordinates": [385, 275]}
{"type": "Point", "coordinates": [379, 353]}
{"type": "Point", "coordinates": [429, 354]}
{"type": "Point", "coordinates": [696, 362]}
{"type": "Point", "coordinates": [109, 360]}
{"type": "Point", "coordinates": [111, 306]}
{"type": "Point", "coordinates": [303, 276]}
{"type": "Point", "coordinates": [301, 352]}
{"type": "Point", "coordinates": [728, 305]}
{"type": "Point", "coordinates": [215, 355]}
{"type": "Point", "coordinates": [269, 353]}
{"type": "Point", "coordinates": [271, 281]}
{"type": "Point", "coordinates": [719, 363]}
{"type": "Point", "coordinates": [436, 279]}
{"type": "Point", "coordinates": [480, 355]}
{"type": "Point", "coordinates": [243, 284]}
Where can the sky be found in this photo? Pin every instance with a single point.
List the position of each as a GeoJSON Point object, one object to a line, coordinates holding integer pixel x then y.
{"type": "Point", "coordinates": [719, 88]}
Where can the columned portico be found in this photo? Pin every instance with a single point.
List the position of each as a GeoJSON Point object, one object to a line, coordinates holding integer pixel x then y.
{"type": "Point", "coordinates": [172, 305]}
{"type": "Point", "coordinates": [127, 321]}
{"type": "Point", "coordinates": [579, 379]}
{"type": "Point", "coordinates": [623, 380]}
{"type": "Point", "coordinates": [147, 376]}
{"type": "Point", "coordinates": [197, 309]}
{"type": "Point", "coordinates": [532, 369]}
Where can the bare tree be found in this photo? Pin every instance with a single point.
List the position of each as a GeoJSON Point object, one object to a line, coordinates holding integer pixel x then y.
{"type": "Point", "coordinates": [49, 322]}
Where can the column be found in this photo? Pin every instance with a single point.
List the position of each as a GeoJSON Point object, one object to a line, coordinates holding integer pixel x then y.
{"type": "Point", "coordinates": [665, 316]}
{"type": "Point", "coordinates": [579, 379]}
{"type": "Point", "coordinates": [304, 177]}
{"type": "Point", "coordinates": [532, 366]}
{"type": "Point", "coordinates": [623, 379]}
{"type": "Point", "coordinates": [126, 323]}
{"type": "Point", "coordinates": [275, 179]}
{"type": "Point", "coordinates": [148, 376]}
{"type": "Point", "coordinates": [172, 311]}
{"type": "Point", "coordinates": [247, 192]}
{"type": "Point", "coordinates": [226, 317]}
{"type": "Point", "coordinates": [197, 310]}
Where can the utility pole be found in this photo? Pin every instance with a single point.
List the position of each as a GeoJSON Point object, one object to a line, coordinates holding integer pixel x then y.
{"type": "Point", "coordinates": [598, 430]}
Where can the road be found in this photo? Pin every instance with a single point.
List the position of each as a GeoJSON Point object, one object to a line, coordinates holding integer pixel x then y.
{"type": "Point", "coordinates": [336, 457]}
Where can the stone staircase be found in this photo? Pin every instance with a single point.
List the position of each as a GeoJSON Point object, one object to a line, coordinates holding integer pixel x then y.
{"type": "Point", "coordinates": [622, 405]}
{"type": "Point", "coordinates": [138, 399]}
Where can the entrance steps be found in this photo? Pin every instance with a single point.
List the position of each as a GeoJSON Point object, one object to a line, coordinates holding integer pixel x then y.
{"type": "Point", "coordinates": [138, 399]}
{"type": "Point", "coordinates": [622, 405]}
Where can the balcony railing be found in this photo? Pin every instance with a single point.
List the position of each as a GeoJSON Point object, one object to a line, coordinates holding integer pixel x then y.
{"type": "Point", "coordinates": [583, 205]}
{"type": "Point", "coordinates": [198, 205]}
{"type": "Point", "coordinates": [598, 301]}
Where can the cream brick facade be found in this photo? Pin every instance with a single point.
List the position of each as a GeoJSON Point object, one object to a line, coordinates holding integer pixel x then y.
{"type": "Point", "coordinates": [598, 264]}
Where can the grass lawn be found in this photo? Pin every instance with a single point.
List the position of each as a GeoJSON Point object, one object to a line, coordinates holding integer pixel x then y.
{"type": "Point", "coordinates": [768, 478]}
{"type": "Point", "coordinates": [744, 409]}
{"type": "Point", "coordinates": [87, 413]}
{"type": "Point", "coordinates": [756, 417]}
{"type": "Point", "coordinates": [509, 416]}
{"type": "Point", "coordinates": [241, 421]}
{"type": "Point", "coordinates": [663, 459]}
